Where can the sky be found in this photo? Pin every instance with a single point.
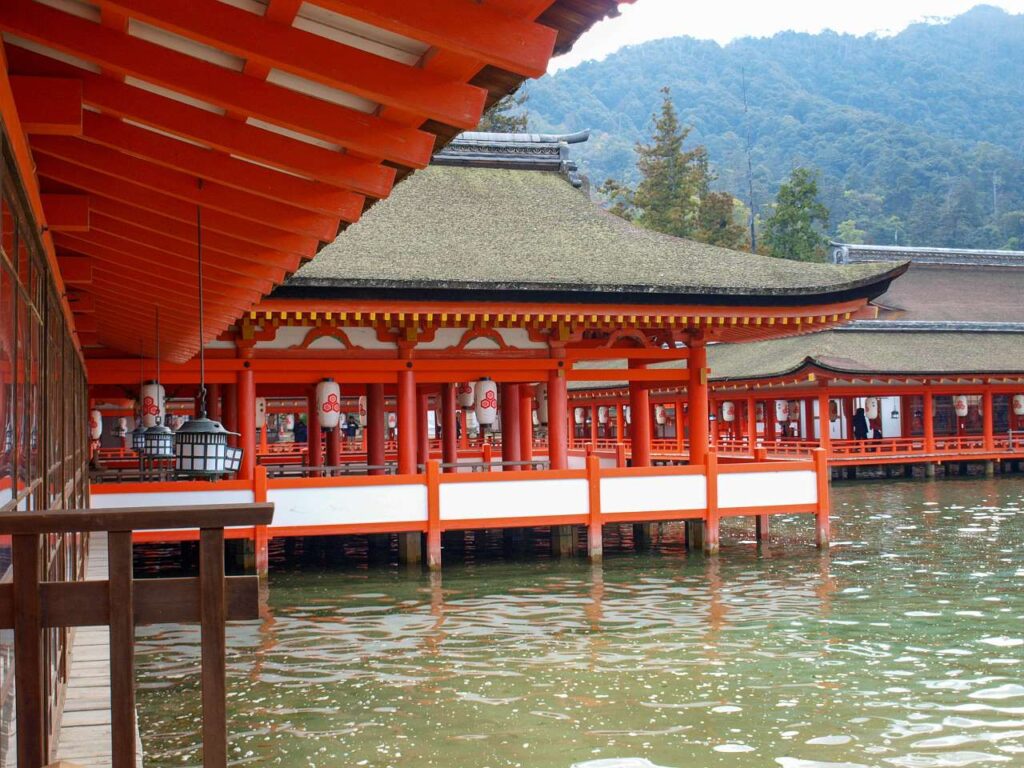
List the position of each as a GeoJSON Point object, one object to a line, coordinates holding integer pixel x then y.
{"type": "Point", "coordinates": [725, 20]}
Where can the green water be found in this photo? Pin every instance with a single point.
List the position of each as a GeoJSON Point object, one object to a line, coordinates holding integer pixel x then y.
{"type": "Point", "coordinates": [904, 646]}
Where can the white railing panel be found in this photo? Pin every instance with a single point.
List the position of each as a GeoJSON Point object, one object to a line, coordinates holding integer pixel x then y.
{"type": "Point", "coordinates": [169, 499]}
{"type": "Point", "coordinates": [652, 494]}
{"type": "Point", "coordinates": [513, 498]}
{"type": "Point", "coordinates": [767, 489]}
{"type": "Point", "coordinates": [349, 505]}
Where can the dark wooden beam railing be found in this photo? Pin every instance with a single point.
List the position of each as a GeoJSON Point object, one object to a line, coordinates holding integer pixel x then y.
{"type": "Point", "coordinates": [29, 605]}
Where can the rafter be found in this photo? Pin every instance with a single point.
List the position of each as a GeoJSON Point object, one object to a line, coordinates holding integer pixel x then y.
{"type": "Point", "coordinates": [216, 85]}
{"type": "Point", "coordinates": [276, 46]}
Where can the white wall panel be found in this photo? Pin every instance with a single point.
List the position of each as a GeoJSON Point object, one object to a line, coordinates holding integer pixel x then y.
{"type": "Point", "coordinates": [514, 498]}
{"type": "Point", "coordinates": [652, 494]}
{"type": "Point", "coordinates": [767, 489]}
{"type": "Point", "coordinates": [169, 499]}
{"type": "Point", "coordinates": [354, 505]}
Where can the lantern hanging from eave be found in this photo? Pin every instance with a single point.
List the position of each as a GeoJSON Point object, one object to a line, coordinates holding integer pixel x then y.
{"type": "Point", "coordinates": [95, 424]}
{"type": "Point", "coordinates": [362, 410]}
{"type": "Point", "coordinates": [392, 418]}
{"type": "Point", "coordinates": [728, 410]}
{"type": "Point", "coordinates": [660, 417]}
{"type": "Point", "coordinates": [793, 410]}
{"type": "Point", "coordinates": [464, 394]}
{"type": "Point", "coordinates": [833, 410]}
{"type": "Point", "coordinates": [1018, 405]}
{"type": "Point", "coordinates": [578, 415]}
{"type": "Point", "coordinates": [122, 427]}
{"type": "Point", "coordinates": [152, 396]}
{"type": "Point", "coordinates": [328, 403]}
{"type": "Point", "coordinates": [261, 412]}
{"type": "Point", "coordinates": [201, 449]}
{"type": "Point", "coordinates": [781, 410]}
{"type": "Point", "coordinates": [536, 418]}
{"type": "Point", "coordinates": [289, 422]}
{"type": "Point", "coordinates": [602, 414]}
{"type": "Point", "coordinates": [485, 395]}
{"type": "Point", "coordinates": [542, 403]}
{"type": "Point", "coordinates": [871, 407]}
{"type": "Point", "coordinates": [961, 405]}
{"type": "Point", "coordinates": [627, 414]}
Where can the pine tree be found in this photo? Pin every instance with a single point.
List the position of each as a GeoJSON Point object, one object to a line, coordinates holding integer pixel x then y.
{"type": "Point", "coordinates": [795, 229]}
{"type": "Point", "coordinates": [501, 117]}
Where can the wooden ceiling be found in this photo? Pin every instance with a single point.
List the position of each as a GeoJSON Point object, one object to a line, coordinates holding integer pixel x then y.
{"type": "Point", "coordinates": [280, 120]}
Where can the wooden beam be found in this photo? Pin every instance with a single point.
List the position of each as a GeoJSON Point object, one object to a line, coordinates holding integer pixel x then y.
{"type": "Point", "coordinates": [66, 213]}
{"type": "Point", "coordinates": [314, 57]}
{"type": "Point", "coordinates": [463, 26]}
{"type": "Point", "coordinates": [80, 302]}
{"type": "Point", "coordinates": [76, 270]}
{"type": "Point", "coordinates": [48, 106]}
{"type": "Point", "coordinates": [216, 131]}
{"type": "Point", "coordinates": [198, 79]}
{"type": "Point", "coordinates": [212, 195]}
{"type": "Point", "coordinates": [85, 323]}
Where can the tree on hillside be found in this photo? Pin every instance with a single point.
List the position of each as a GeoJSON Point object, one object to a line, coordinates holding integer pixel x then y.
{"type": "Point", "coordinates": [506, 116]}
{"type": "Point", "coordinates": [719, 222]}
{"type": "Point", "coordinates": [795, 229]}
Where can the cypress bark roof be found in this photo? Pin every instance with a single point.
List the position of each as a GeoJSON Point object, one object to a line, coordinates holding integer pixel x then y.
{"type": "Point", "coordinates": [497, 230]}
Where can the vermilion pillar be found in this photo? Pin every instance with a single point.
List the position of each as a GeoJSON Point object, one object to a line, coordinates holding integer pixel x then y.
{"type": "Point", "coordinates": [422, 434]}
{"type": "Point", "coordinates": [640, 426]}
{"type": "Point", "coordinates": [247, 422]}
{"type": "Point", "coordinates": [231, 412]}
{"type": "Point", "coordinates": [375, 427]}
{"type": "Point", "coordinates": [987, 421]}
{"type": "Point", "coordinates": [510, 445]}
{"type": "Point", "coordinates": [824, 427]}
{"type": "Point", "coordinates": [449, 428]}
{"type": "Point", "coordinates": [334, 446]}
{"type": "Point", "coordinates": [558, 420]}
{"type": "Point", "coordinates": [751, 406]}
{"type": "Point", "coordinates": [697, 392]}
{"type": "Point", "coordinates": [406, 423]}
{"type": "Point", "coordinates": [213, 407]}
{"type": "Point", "coordinates": [526, 423]}
{"type": "Point", "coordinates": [314, 435]}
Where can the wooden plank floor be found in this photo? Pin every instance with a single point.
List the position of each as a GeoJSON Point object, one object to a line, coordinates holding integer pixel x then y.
{"type": "Point", "coordinates": [85, 729]}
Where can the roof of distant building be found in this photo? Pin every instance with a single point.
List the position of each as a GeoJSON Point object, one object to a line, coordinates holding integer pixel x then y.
{"type": "Point", "coordinates": [852, 253]}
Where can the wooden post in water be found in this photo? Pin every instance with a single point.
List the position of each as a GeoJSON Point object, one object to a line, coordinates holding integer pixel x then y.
{"type": "Point", "coordinates": [433, 476]}
{"type": "Point", "coordinates": [821, 517]}
{"type": "Point", "coordinates": [711, 515]}
{"type": "Point", "coordinates": [595, 544]}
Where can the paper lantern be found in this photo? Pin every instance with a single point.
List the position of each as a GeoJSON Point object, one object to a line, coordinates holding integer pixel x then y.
{"type": "Point", "coordinates": [122, 427]}
{"type": "Point", "coordinates": [728, 410]}
{"type": "Point", "coordinates": [362, 410]}
{"type": "Point", "coordinates": [578, 415]}
{"type": "Point", "coordinates": [536, 418]}
{"type": "Point", "coordinates": [392, 420]}
{"type": "Point", "coordinates": [542, 403]}
{"type": "Point", "coordinates": [95, 425]}
{"type": "Point", "coordinates": [471, 422]}
{"type": "Point", "coordinates": [464, 395]}
{"type": "Point", "coordinates": [781, 410]}
{"type": "Point", "coordinates": [602, 415]}
{"type": "Point", "coordinates": [793, 410]}
{"type": "Point", "coordinates": [627, 414]}
{"type": "Point", "coordinates": [833, 410]}
{"type": "Point", "coordinates": [960, 405]}
{"type": "Point", "coordinates": [871, 407]}
{"type": "Point", "coordinates": [1018, 405]}
{"type": "Point", "coordinates": [289, 422]}
{"type": "Point", "coordinates": [659, 414]}
{"type": "Point", "coordinates": [328, 403]}
{"type": "Point", "coordinates": [152, 396]}
{"type": "Point", "coordinates": [485, 394]}
{"type": "Point", "coordinates": [759, 411]}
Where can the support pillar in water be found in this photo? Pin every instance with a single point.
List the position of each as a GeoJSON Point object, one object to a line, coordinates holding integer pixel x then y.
{"type": "Point", "coordinates": [908, 470]}
{"type": "Point", "coordinates": [563, 540]}
{"type": "Point", "coordinates": [990, 468]}
{"type": "Point", "coordinates": [643, 535]}
{"type": "Point", "coordinates": [929, 470]}
{"type": "Point", "coordinates": [762, 527]}
{"type": "Point", "coordinates": [851, 473]}
{"type": "Point", "coordinates": [695, 534]}
{"type": "Point", "coordinates": [410, 548]}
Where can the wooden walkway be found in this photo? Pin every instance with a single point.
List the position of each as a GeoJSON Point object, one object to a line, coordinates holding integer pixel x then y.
{"type": "Point", "coordinates": [85, 729]}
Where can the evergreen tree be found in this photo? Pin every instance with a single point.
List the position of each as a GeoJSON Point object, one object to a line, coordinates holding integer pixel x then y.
{"type": "Point", "coordinates": [718, 223]}
{"type": "Point", "coordinates": [795, 229]}
{"type": "Point", "coordinates": [502, 117]}
{"type": "Point", "coordinates": [673, 179]}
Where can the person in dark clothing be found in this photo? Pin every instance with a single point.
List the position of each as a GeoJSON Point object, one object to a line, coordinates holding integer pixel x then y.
{"type": "Point", "coordinates": [301, 435]}
{"type": "Point", "coordinates": [860, 425]}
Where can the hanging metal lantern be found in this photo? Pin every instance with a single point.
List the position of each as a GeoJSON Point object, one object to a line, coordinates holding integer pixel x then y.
{"type": "Point", "coordinates": [95, 424]}
{"type": "Point", "coordinates": [232, 460]}
{"type": "Point", "coordinates": [158, 442]}
{"type": "Point", "coordinates": [152, 396]}
{"type": "Point", "coordinates": [871, 407]}
{"type": "Point", "coordinates": [486, 395]}
{"type": "Point", "coordinates": [602, 415]}
{"type": "Point", "coordinates": [201, 448]}
{"type": "Point", "coordinates": [139, 437]}
{"type": "Point", "coordinates": [578, 415]}
{"type": "Point", "coordinates": [660, 417]}
{"type": "Point", "coordinates": [541, 394]}
{"type": "Point", "coordinates": [728, 410]}
{"type": "Point", "coordinates": [362, 410]}
{"type": "Point", "coordinates": [1018, 405]}
{"type": "Point", "coordinates": [464, 395]}
{"type": "Point", "coordinates": [328, 403]}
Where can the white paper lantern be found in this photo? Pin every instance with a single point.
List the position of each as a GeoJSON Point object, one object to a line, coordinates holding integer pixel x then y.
{"type": "Point", "coordinates": [95, 424]}
{"type": "Point", "coordinates": [833, 410]}
{"type": "Point", "coordinates": [464, 394]}
{"type": "Point", "coordinates": [728, 410]}
{"type": "Point", "coordinates": [471, 422]}
{"type": "Point", "coordinates": [289, 422]}
{"type": "Point", "coordinates": [1018, 405]}
{"type": "Point", "coordinates": [781, 410]}
{"type": "Point", "coordinates": [660, 417]}
{"type": "Point", "coordinates": [871, 408]}
{"type": "Point", "coordinates": [961, 405]}
{"type": "Point", "coordinates": [542, 403]}
{"type": "Point", "coordinates": [627, 414]}
{"type": "Point", "coordinates": [485, 395]}
{"type": "Point", "coordinates": [536, 418]}
{"type": "Point", "coordinates": [392, 420]}
{"type": "Point", "coordinates": [122, 426]}
{"type": "Point", "coordinates": [328, 403]}
{"type": "Point", "coordinates": [362, 410]}
{"type": "Point", "coordinates": [261, 412]}
{"type": "Point", "coordinates": [578, 415]}
{"type": "Point", "coordinates": [793, 410]}
{"type": "Point", "coordinates": [152, 396]}
{"type": "Point", "coordinates": [602, 415]}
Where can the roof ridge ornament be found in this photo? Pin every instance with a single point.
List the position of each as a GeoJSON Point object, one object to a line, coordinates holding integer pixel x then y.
{"type": "Point", "coordinates": [515, 151]}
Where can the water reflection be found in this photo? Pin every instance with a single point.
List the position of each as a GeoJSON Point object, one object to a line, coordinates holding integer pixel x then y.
{"type": "Point", "coordinates": [903, 647]}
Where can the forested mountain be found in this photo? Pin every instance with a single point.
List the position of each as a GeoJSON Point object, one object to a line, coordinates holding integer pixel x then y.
{"type": "Point", "coordinates": [920, 134]}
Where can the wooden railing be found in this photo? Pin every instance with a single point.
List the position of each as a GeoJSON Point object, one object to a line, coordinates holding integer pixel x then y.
{"type": "Point", "coordinates": [31, 604]}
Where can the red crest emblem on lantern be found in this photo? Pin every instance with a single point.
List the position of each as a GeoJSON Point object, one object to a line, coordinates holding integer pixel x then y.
{"type": "Point", "coordinates": [490, 400]}
{"type": "Point", "coordinates": [149, 407]}
{"type": "Point", "coordinates": [332, 404]}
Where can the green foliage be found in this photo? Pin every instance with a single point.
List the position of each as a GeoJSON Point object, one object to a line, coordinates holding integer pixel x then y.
{"type": "Point", "coordinates": [797, 222]}
{"type": "Point", "coordinates": [920, 130]}
{"type": "Point", "coordinates": [503, 117]}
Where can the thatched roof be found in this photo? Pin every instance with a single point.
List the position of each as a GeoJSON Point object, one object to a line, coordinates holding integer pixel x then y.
{"type": "Point", "coordinates": [493, 230]}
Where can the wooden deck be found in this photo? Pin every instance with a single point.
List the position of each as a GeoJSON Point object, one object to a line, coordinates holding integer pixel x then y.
{"type": "Point", "coordinates": [85, 729]}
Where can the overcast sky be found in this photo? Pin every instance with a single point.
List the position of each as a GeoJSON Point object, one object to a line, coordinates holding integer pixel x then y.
{"type": "Point", "coordinates": [725, 20]}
